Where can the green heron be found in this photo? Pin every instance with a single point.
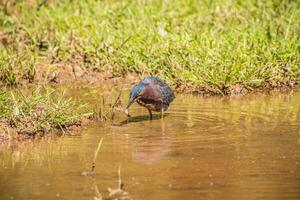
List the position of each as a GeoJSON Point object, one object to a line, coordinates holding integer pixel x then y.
{"type": "Point", "coordinates": [152, 93]}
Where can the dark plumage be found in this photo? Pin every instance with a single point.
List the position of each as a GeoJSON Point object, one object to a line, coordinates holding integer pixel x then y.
{"type": "Point", "coordinates": [152, 93]}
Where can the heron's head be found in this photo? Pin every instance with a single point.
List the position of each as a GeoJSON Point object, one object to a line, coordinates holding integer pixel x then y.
{"type": "Point", "coordinates": [134, 95]}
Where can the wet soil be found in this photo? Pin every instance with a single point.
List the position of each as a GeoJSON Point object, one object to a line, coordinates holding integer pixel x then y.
{"type": "Point", "coordinates": [68, 73]}
{"type": "Point", "coordinates": [74, 72]}
{"type": "Point", "coordinates": [12, 134]}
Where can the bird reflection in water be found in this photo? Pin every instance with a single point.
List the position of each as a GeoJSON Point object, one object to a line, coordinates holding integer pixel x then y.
{"type": "Point", "coordinates": [152, 148]}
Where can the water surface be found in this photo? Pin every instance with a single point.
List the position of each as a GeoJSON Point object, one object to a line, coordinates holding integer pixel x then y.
{"type": "Point", "coordinates": [205, 148]}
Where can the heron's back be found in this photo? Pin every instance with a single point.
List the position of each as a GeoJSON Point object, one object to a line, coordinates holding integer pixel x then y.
{"type": "Point", "coordinates": [161, 87]}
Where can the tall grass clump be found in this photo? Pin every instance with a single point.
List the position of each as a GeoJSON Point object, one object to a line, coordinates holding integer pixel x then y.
{"type": "Point", "coordinates": [4, 108]}
{"type": "Point", "coordinates": [204, 43]}
{"type": "Point", "coordinates": [16, 67]}
{"type": "Point", "coordinates": [39, 112]}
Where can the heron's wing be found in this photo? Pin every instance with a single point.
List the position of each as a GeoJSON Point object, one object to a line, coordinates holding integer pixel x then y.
{"type": "Point", "coordinates": [157, 90]}
{"type": "Point", "coordinates": [166, 92]}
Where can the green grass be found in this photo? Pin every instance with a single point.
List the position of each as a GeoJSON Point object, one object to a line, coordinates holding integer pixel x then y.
{"type": "Point", "coordinates": [200, 43]}
{"type": "Point", "coordinates": [15, 67]}
{"type": "Point", "coordinates": [39, 112]}
{"type": "Point", "coordinates": [4, 108]}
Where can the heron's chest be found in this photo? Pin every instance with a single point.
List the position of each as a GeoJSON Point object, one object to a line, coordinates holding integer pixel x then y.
{"type": "Point", "coordinates": [151, 105]}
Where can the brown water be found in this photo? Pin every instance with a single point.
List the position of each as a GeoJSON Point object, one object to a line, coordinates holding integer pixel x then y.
{"type": "Point", "coordinates": [204, 148]}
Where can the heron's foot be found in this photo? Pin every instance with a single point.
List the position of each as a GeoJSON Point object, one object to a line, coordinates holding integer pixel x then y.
{"type": "Point", "coordinates": [150, 114]}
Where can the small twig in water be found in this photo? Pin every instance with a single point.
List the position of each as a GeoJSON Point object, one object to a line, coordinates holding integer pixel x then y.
{"type": "Point", "coordinates": [121, 184]}
{"type": "Point", "coordinates": [97, 152]}
{"type": "Point", "coordinates": [116, 103]}
{"type": "Point", "coordinates": [87, 173]}
{"type": "Point", "coordinates": [97, 193]}
{"type": "Point", "coordinates": [118, 193]}
{"type": "Point", "coordinates": [118, 98]}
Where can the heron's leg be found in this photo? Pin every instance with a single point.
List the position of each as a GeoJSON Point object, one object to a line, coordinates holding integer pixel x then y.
{"type": "Point", "coordinates": [162, 113]}
{"type": "Point", "coordinates": [150, 113]}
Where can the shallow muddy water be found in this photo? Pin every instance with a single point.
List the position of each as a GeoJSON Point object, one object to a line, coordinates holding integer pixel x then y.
{"type": "Point", "coordinates": [205, 148]}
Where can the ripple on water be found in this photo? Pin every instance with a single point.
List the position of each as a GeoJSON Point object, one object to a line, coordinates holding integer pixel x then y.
{"type": "Point", "coordinates": [205, 148]}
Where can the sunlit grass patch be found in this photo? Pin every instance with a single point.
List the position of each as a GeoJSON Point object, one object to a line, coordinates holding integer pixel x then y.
{"type": "Point", "coordinates": [4, 105]}
{"type": "Point", "coordinates": [39, 112]}
{"type": "Point", "coordinates": [16, 66]}
{"type": "Point", "coordinates": [212, 44]}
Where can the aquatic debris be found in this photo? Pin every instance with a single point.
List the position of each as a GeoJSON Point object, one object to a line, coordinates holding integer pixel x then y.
{"type": "Point", "coordinates": [118, 193]}
{"type": "Point", "coordinates": [113, 194]}
{"type": "Point", "coordinates": [106, 111]}
{"type": "Point", "coordinates": [92, 171]}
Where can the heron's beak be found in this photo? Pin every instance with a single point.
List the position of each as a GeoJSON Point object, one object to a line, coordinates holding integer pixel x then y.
{"type": "Point", "coordinates": [130, 102]}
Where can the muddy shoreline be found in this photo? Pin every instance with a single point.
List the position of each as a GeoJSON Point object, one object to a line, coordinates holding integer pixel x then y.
{"type": "Point", "coordinates": [69, 75]}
